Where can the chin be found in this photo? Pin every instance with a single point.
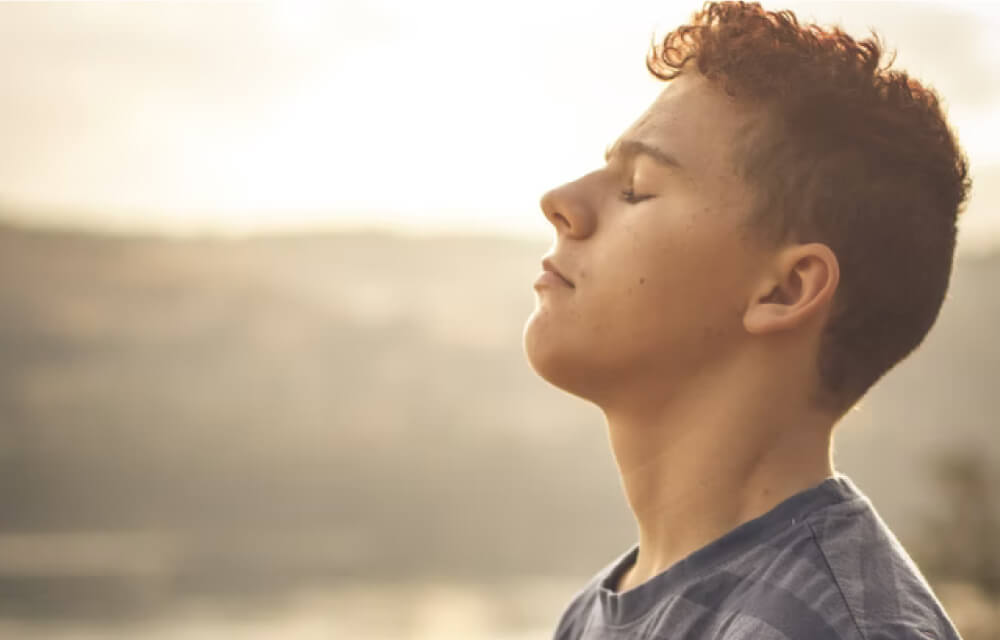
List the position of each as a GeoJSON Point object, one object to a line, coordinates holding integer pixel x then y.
{"type": "Point", "coordinates": [545, 351]}
{"type": "Point", "coordinates": [554, 358]}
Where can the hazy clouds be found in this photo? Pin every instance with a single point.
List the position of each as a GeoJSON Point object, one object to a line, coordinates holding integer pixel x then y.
{"type": "Point", "coordinates": [242, 116]}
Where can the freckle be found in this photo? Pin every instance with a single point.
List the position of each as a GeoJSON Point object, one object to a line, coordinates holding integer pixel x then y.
{"type": "Point", "coordinates": [642, 281]}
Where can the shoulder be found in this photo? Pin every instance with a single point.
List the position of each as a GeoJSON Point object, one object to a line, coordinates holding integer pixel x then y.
{"type": "Point", "coordinates": [757, 630]}
{"type": "Point", "coordinates": [837, 574]}
{"type": "Point", "coordinates": [881, 587]}
{"type": "Point", "coordinates": [574, 617]}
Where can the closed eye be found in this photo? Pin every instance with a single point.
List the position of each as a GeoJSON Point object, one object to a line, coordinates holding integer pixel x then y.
{"type": "Point", "coordinates": [629, 196]}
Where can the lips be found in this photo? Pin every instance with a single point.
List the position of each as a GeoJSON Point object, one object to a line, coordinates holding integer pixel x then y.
{"type": "Point", "coordinates": [548, 266]}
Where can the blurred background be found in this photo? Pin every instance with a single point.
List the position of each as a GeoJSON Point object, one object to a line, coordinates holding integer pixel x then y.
{"type": "Point", "coordinates": [264, 270]}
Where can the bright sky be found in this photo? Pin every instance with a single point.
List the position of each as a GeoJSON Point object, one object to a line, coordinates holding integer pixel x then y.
{"type": "Point", "coordinates": [429, 115]}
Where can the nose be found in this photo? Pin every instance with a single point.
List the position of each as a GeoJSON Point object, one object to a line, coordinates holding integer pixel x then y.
{"type": "Point", "coordinates": [569, 210]}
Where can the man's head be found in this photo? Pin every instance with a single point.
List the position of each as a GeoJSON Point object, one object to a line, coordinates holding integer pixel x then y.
{"type": "Point", "coordinates": [784, 196]}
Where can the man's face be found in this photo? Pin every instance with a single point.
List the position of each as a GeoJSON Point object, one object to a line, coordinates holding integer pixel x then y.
{"type": "Point", "coordinates": [660, 266]}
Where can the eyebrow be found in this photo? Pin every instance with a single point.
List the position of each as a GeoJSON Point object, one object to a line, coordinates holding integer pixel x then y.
{"type": "Point", "coordinates": [630, 148]}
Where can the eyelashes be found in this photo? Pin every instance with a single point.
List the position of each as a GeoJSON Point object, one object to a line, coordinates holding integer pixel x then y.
{"type": "Point", "coordinates": [630, 196]}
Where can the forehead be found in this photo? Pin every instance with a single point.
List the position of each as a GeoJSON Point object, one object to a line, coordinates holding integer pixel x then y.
{"type": "Point", "coordinates": [697, 122]}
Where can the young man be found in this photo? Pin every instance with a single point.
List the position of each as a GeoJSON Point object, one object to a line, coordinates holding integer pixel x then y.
{"type": "Point", "coordinates": [771, 236]}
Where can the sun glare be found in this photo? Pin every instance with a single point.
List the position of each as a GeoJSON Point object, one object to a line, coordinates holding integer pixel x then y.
{"type": "Point", "coordinates": [440, 114]}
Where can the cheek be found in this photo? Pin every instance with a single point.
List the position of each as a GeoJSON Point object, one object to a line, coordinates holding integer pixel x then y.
{"type": "Point", "coordinates": [656, 266]}
{"type": "Point", "coordinates": [673, 285]}
{"type": "Point", "coordinates": [630, 293]}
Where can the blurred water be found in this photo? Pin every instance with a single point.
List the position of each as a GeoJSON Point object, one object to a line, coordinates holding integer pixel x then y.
{"type": "Point", "coordinates": [439, 611]}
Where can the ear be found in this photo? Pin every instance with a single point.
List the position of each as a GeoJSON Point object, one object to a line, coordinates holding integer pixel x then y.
{"type": "Point", "coordinates": [797, 290]}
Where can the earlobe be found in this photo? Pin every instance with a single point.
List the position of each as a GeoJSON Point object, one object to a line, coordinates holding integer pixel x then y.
{"type": "Point", "coordinates": [799, 290]}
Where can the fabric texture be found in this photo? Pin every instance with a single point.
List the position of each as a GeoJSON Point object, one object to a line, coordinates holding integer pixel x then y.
{"type": "Point", "coordinates": [822, 565]}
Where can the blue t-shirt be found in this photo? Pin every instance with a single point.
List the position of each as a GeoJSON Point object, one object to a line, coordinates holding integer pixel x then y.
{"type": "Point", "coordinates": [822, 565]}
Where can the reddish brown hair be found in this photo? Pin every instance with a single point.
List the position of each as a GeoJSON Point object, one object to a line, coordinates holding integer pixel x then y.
{"type": "Point", "coordinates": [852, 155]}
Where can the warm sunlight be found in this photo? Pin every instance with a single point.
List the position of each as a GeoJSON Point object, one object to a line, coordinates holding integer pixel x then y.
{"type": "Point", "coordinates": [440, 116]}
{"type": "Point", "coordinates": [294, 347]}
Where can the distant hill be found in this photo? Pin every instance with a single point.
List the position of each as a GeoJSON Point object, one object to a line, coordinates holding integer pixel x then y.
{"type": "Point", "coordinates": [369, 388]}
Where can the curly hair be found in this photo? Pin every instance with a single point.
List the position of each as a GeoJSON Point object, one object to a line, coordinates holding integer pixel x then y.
{"type": "Point", "coordinates": [850, 154]}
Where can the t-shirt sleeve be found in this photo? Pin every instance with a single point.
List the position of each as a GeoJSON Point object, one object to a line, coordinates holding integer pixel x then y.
{"type": "Point", "coordinates": [574, 618]}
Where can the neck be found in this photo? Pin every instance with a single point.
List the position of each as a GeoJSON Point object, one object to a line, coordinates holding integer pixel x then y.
{"type": "Point", "coordinates": [716, 453]}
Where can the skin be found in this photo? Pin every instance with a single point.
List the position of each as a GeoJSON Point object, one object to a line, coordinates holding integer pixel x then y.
{"type": "Point", "coordinates": [697, 342]}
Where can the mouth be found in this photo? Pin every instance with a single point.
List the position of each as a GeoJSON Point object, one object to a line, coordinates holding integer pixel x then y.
{"type": "Point", "coordinates": [551, 268]}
